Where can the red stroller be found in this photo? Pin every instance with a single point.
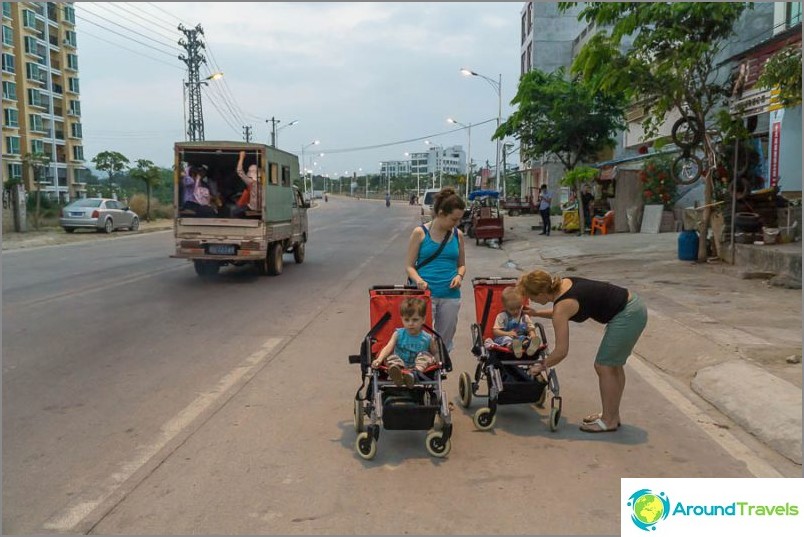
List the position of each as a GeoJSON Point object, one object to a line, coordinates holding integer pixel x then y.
{"type": "Point", "coordinates": [420, 407]}
{"type": "Point", "coordinates": [506, 376]}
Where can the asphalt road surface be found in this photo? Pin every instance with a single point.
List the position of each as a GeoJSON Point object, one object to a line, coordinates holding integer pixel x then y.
{"type": "Point", "coordinates": [139, 398]}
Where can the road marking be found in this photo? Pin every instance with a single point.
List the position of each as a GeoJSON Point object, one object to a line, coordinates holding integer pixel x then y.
{"type": "Point", "coordinates": [94, 288]}
{"type": "Point", "coordinates": [725, 439]}
{"type": "Point", "coordinates": [226, 387]}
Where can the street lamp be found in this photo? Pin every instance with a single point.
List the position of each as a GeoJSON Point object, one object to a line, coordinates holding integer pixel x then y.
{"type": "Point", "coordinates": [417, 173]}
{"type": "Point", "coordinates": [304, 177]}
{"type": "Point", "coordinates": [468, 152]}
{"type": "Point", "coordinates": [274, 131]}
{"type": "Point", "coordinates": [184, 86]}
{"type": "Point", "coordinates": [439, 163]}
{"type": "Point", "coordinates": [497, 85]}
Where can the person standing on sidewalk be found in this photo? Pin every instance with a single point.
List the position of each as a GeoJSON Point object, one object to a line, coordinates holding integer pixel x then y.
{"type": "Point", "coordinates": [436, 261]}
{"type": "Point", "coordinates": [577, 299]}
{"type": "Point", "coordinates": [587, 202]}
{"type": "Point", "coordinates": [544, 209]}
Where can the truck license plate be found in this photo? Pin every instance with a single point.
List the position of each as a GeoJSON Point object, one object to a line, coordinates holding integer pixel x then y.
{"type": "Point", "coordinates": [221, 249]}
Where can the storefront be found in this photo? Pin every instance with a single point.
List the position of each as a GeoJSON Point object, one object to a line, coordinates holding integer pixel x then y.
{"type": "Point", "coordinates": [775, 130]}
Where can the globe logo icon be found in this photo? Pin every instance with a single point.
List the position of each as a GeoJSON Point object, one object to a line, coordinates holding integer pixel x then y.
{"type": "Point", "coordinates": [648, 508]}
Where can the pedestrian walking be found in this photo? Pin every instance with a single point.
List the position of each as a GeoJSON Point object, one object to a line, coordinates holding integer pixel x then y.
{"type": "Point", "coordinates": [577, 299]}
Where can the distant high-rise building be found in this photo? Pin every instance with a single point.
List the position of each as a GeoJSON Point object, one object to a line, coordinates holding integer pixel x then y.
{"type": "Point", "coordinates": [438, 159]}
{"type": "Point", "coordinates": [41, 97]}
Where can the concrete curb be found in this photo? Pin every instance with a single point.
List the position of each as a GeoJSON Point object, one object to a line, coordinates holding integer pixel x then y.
{"type": "Point", "coordinates": [762, 404]}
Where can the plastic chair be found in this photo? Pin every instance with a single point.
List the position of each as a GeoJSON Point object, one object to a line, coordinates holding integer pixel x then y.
{"type": "Point", "coordinates": [603, 223]}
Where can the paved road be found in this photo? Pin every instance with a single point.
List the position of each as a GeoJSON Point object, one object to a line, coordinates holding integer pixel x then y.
{"type": "Point", "coordinates": [138, 398]}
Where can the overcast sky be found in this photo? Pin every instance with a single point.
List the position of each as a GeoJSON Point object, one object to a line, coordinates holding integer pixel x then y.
{"type": "Point", "coordinates": [353, 74]}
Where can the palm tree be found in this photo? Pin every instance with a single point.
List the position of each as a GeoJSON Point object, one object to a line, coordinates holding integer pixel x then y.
{"type": "Point", "coordinates": [150, 174]}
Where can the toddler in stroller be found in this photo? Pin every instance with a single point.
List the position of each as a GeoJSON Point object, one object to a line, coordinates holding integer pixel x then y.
{"type": "Point", "coordinates": [506, 375]}
{"type": "Point", "coordinates": [402, 372]}
{"type": "Point", "coordinates": [513, 329]}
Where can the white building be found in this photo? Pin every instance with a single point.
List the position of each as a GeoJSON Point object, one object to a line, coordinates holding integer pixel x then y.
{"type": "Point", "coordinates": [437, 160]}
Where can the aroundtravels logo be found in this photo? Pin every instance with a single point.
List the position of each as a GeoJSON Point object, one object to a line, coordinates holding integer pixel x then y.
{"type": "Point", "coordinates": [648, 508]}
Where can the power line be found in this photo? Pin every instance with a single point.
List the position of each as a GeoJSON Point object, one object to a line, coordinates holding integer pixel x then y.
{"type": "Point", "coordinates": [171, 26]}
{"type": "Point", "coordinates": [217, 94]}
{"type": "Point", "coordinates": [389, 144]}
{"type": "Point", "coordinates": [84, 9]}
{"type": "Point", "coordinates": [225, 83]}
{"type": "Point", "coordinates": [124, 36]}
{"type": "Point", "coordinates": [224, 117]}
{"type": "Point", "coordinates": [109, 5]}
{"type": "Point", "coordinates": [84, 32]}
{"type": "Point", "coordinates": [165, 12]}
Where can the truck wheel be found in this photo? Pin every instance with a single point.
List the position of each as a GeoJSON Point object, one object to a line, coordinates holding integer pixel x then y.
{"type": "Point", "coordinates": [298, 252]}
{"type": "Point", "coordinates": [206, 269]}
{"type": "Point", "coordinates": [273, 264]}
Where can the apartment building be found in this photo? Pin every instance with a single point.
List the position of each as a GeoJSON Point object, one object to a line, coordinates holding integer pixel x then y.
{"type": "Point", "coordinates": [438, 159]}
{"type": "Point", "coordinates": [41, 97]}
{"type": "Point", "coordinates": [547, 40]}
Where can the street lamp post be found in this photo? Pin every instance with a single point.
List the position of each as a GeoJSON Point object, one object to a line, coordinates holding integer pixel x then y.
{"type": "Point", "coordinates": [439, 163]}
{"type": "Point", "coordinates": [468, 152]}
{"type": "Point", "coordinates": [497, 85]}
{"type": "Point", "coordinates": [274, 131]}
{"type": "Point", "coordinates": [184, 85]}
{"type": "Point", "coordinates": [304, 177]}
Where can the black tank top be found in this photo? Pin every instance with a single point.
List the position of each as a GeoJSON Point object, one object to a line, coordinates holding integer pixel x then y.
{"type": "Point", "coordinates": [599, 300]}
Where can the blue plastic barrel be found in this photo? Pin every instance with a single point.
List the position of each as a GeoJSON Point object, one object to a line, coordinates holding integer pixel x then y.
{"type": "Point", "coordinates": [688, 245]}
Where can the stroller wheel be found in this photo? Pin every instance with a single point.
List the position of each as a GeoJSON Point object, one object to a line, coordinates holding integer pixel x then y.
{"type": "Point", "coordinates": [555, 415]}
{"type": "Point", "coordinates": [436, 446]}
{"type": "Point", "coordinates": [465, 389]}
{"type": "Point", "coordinates": [484, 419]}
{"type": "Point", "coordinates": [366, 446]}
{"type": "Point", "coordinates": [359, 415]}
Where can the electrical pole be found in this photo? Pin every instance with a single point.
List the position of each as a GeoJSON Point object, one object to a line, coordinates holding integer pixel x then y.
{"type": "Point", "coordinates": [273, 121]}
{"type": "Point", "coordinates": [193, 46]}
{"type": "Point", "coordinates": [247, 133]}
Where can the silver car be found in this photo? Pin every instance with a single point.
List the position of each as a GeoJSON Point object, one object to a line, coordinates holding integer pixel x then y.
{"type": "Point", "coordinates": [98, 213]}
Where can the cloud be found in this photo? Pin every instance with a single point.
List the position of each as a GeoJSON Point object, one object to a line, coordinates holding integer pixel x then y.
{"type": "Point", "coordinates": [353, 74]}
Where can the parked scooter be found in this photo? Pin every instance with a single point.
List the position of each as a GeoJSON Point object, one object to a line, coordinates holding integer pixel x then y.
{"type": "Point", "coordinates": [326, 199]}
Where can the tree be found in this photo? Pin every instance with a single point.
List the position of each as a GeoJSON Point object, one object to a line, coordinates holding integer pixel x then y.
{"type": "Point", "coordinates": [37, 161]}
{"type": "Point", "coordinates": [110, 162]}
{"type": "Point", "coordinates": [147, 172]}
{"type": "Point", "coordinates": [671, 64]}
{"type": "Point", "coordinates": [564, 117]}
{"type": "Point", "coordinates": [783, 69]}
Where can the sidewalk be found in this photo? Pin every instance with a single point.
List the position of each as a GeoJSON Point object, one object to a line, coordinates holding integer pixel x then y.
{"type": "Point", "coordinates": [55, 235]}
{"type": "Point", "coordinates": [734, 340]}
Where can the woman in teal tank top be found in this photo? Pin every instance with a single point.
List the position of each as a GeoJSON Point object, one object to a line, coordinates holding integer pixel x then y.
{"type": "Point", "coordinates": [443, 274]}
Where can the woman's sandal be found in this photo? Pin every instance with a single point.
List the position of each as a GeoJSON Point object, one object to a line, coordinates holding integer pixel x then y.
{"type": "Point", "coordinates": [592, 418]}
{"type": "Point", "coordinates": [599, 427]}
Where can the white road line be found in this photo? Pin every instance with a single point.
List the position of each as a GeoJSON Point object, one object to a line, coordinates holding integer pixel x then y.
{"type": "Point", "coordinates": [725, 439]}
{"type": "Point", "coordinates": [71, 517]}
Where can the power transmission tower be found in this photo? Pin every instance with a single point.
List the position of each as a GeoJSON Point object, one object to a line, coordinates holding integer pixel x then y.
{"type": "Point", "coordinates": [247, 133]}
{"type": "Point", "coordinates": [193, 45]}
{"type": "Point", "coordinates": [273, 121]}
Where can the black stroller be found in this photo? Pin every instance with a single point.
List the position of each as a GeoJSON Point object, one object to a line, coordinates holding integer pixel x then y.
{"type": "Point", "coordinates": [506, 377]}
{"type": "Point", "coordinates": [420, 407]}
